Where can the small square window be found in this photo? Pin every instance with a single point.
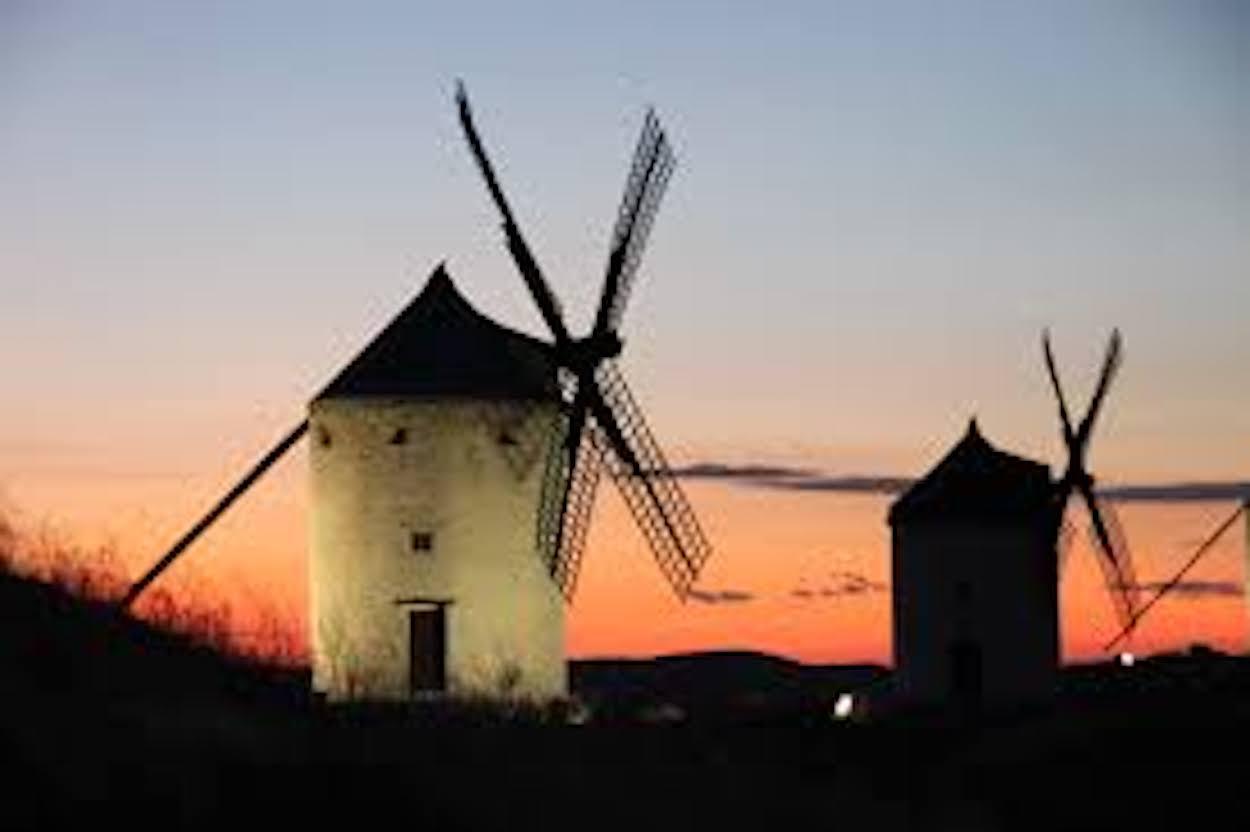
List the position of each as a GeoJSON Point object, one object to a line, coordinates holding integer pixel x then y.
{"type": "Point", "coordinates": [422, 541]}
{"type": "Point", "coordinates": [400, 436]}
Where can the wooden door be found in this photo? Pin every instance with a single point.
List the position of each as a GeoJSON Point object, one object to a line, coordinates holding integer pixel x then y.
{"type": "Point", "coordinates": [967, 674]}
{"type": "Point", "coordinates": [427, 650]}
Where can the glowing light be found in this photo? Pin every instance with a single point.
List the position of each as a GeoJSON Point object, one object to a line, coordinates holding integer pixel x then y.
{"type": "Point", "coordinates": [1127, 659]}
{"type": "Point", "coordinates": [578, 712]}
{"type": "Point", "coordinates": [843, 706]}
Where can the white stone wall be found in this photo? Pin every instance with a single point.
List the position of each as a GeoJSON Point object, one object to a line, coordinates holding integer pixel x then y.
{"type": "Point", "coordinates": [1012, 614]}
{"type": "Point", "coordinates": [452, 477]}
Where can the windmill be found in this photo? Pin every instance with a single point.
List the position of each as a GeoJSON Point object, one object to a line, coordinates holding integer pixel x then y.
{"type": "Point", "coordinates": [1107, 535]}
{"type": "Point", "coordinates": [985, 525]}
{"type": "Point", "coordinates": [603, 426]}
{"type": "Point", "coordinates": [448, 452]}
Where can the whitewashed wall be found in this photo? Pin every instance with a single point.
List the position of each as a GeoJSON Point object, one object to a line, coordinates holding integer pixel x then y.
{"type": "Point", "coordinates": [453, 478]}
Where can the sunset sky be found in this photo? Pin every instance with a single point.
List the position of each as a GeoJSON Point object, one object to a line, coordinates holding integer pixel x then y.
{"type": "Point", "coordinates": [207, 208]}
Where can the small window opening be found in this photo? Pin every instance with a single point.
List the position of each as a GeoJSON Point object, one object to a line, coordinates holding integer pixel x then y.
{"type": "Point", "coordinates": [422, 541]}
{"type": "Point", "coordinates": [400, 436]}
{"type": "Point", "coordinates": [506, 438]}
{"type": "Point", "coordinates": [323, 437]}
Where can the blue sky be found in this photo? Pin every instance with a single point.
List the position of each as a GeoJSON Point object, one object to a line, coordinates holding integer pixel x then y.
{"type": "Point", "coordinates": [206, 208]}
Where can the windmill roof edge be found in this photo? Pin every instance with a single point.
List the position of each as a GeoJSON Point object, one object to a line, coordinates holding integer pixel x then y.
{"type": "Point", "coordinates": [977, 481]}
{"type": "Point", "coordinates": [440, 345]}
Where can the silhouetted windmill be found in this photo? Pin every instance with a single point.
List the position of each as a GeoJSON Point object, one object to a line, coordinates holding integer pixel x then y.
{"type": "Point", "coordinates": [1105, 530]}
{"type": "Point", "coordinates": [976, 548]}
{"type": "Point", "coordinates": [429, 497]}
{"type": "Point", "coordinates": [603, 424]}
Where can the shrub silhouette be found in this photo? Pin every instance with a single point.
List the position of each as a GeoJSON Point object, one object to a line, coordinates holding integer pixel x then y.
{"type": "Point", "coordinates": [189, 608]}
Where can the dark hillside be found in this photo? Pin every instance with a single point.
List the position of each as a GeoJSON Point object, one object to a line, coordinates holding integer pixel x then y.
{"type": "Point", "coordinates": [723, 683]}
{"type": "Point", "coordinates": [110, 722]}
{"type": "Point", "coordinates": [56, 643]}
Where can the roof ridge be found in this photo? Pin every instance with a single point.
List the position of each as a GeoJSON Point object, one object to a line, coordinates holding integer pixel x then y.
{"type": "Point", "coordinates": [439, 344]}
{"type": "Point", "coordinates": [976, 478]}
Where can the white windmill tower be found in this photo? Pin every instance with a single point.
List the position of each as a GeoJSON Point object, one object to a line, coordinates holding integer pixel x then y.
{"type": "Point", "coordinates": [454, 465]}
{"type": "Point", "coordinates": [425, 474]}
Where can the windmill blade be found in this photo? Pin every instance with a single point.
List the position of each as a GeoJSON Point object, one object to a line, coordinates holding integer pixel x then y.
{"type": "Point", "coordinates": [1116, 562]}
{"type": "Point", "coordinates": [548, 306]}
{"type": "Point", "coordinates": [649, 174]}
{"type": "Point", "coordinates": [1175, 580]}
{"type": "Point", "coordinates": [1063, 545]}
{"type": "Point", "coordinates": [647, 483]}
{"type": "Point", "coordinates": [575, 463]}
{"type": "Point", "coordinates": [1109, 367]}
{"type": "Point", "coordinates": [579, 502]}
{"type": "Point", "coordinates": [216, 511]}
{"type": "Point", "coordinates": [1064, 417]}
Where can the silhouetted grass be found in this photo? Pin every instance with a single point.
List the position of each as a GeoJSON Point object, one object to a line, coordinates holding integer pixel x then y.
{"type": "Point", "coordinates": [187, 607]}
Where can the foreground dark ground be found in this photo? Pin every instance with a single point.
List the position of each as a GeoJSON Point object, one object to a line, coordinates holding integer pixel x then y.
{"type": "Point", "coordinates": [107, 722]}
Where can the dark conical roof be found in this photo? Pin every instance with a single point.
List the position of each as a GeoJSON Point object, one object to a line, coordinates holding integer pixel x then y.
{"type": "Point", "coordinates": [979, 483]}
{"type": "Point", "coordinates": [439, 345]}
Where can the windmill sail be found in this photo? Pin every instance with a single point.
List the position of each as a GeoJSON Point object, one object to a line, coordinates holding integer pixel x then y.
{"type": "Point", "coordinates": [1176, 579]}
{"type": "Point", "coordinates": [1119, 574]}
{"type": "Point", "coordinates": [1063, 544]}
{"type": "Point", "coordinates": [569, 488]}
{"type": "Point", "coordinates": [1107, 537]}
{"type": "Point", "coordinates": [648, 179]}
{"type": "Point", "coordinates": [650, 489]}
{"type": "Point", "coordinates": [548, 306]}
{"type": "Point", "coordinates": [218, 509]}
{"type": "Point", "coordinates": [602, 424]}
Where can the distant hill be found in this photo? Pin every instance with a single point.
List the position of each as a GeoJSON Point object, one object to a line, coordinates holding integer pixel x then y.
{"type": "Point", "coordinates": [715, 680]}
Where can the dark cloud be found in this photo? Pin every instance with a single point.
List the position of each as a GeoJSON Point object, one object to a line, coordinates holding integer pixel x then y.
{"type": "Point", "coordinates": [853, 583]}
{"type": "Point", "coordinates": [724, 471]}
{"type": "Point", "coordinates": [850, 484]}
{"type": "Point", "coordinates": [1178, 492]}
{"type": "Point", "coordinates": [721, 596]}
{"type": "Point", "coordinates": [839, 585]}
{"type": "Point", "coordinates": [795, 478]}
{"type": "Point", "coordinates": [1198, 589]}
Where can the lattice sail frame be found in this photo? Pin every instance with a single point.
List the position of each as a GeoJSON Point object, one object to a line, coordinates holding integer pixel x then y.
{"type": "Point", "coordinates": [1113, 555]}
{"type": "Point", "coordinates": [649, 173]}
{"type": "Point", "coordinates": [600, 423]}
{"type": "Point", "coordinates": [1065, 535]}
{"type": "Point", "coordinates": [655, 499]}
{"type": "Point", "coordinates": [1118, 571]}
{"type": "Point", "coordinates": [568, 494]}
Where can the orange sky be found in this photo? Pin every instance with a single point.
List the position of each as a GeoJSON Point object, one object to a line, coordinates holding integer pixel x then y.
{"type": "Point", "coordinates": [768, 544]}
